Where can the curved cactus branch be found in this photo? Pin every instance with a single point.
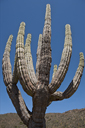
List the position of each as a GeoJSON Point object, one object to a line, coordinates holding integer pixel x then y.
{"type": "Point", "coordinates": [21, 62]}
{"type": "Point", "coordinates": [72, 86]}
{"type": "Point", "coordinates": [6, 65]}
{"type": "Point", "coordinates": [29, 61]}
{"type": "Point", "coordinates": [19, 103]}
{"type": "Point", "coordinates": [56, 96]}
{"type": "Point", "coordinates": [38, 55]}
{"type": "Point", "coordinates": [76, 80]}
{"type": "Point", "coordinates": [12, 89]}
{"type": "Point", "coordinates": [45, 55]}
{"type": "Point", "coordinates": [64, 63]}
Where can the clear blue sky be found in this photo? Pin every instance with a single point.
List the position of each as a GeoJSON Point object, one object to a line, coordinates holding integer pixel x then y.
{"type": "Point", "coordinates": [32, 12]}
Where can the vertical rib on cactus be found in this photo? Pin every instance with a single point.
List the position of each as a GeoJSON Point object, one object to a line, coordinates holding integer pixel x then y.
{"type": "Point", "coordinates": [29, 61]}
{"type": "Point", "coordinates": [45, 56]}
{"type": "Point", "coordinates": [39, 88]}
{"type": "Point", "coordinates": [64, 63]}
{"type": "Point", "coordinates": [21, 62]}
{"type": "Point", "coordinates": [38, 55]}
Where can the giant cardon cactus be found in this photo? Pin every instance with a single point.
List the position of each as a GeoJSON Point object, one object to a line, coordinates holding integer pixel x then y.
{"type": "Point", "coordinates": [37, 85]}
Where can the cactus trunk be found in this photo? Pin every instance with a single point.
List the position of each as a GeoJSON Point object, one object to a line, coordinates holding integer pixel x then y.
{"type": "Point", "coordinates": [32, 124]}
{"type": "Point", "coordinates": [40, 101]}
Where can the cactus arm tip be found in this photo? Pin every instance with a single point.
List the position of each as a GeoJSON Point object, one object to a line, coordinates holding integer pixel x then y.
{"type": "Point", "coordinates": [54, 70]}
{"type": "Point", "coordinates": [48, 12]}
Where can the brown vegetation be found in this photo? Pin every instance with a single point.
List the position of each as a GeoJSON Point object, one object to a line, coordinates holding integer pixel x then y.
{"type": "Point", "coordinates": [70, 119]}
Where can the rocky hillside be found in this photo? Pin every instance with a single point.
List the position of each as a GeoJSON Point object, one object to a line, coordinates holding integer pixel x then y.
{"type": "Point", "coordinates": [70, 119]}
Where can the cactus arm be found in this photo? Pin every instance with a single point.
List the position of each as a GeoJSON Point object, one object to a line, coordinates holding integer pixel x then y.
{"type": "Point", "coordinates": [12, 89]}
{"type": "Point", "coordinates": [29, 61]}
{"type": "Point", "coordinates": [38, 55]}
{"type": "Point", "coordinates": [45, 55]}
{"type": "Point", "coordinates": [18, 103]}
{"type": "Point", "coordinates": [64, 63]}
{"type": "Point", "coordinates": [56, 96]}
{"type": "Point", "coordinates": [76, 80]}
{"type": "Point", "coordinates": [72, 86]}
{"type": "Point", "coordinates": [6, 66]}
{"type": "Point", "coordinates": [21, 63]}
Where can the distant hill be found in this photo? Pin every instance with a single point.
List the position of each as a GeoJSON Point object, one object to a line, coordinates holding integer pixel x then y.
{"type": "Point", "coordinates": [70, 119]}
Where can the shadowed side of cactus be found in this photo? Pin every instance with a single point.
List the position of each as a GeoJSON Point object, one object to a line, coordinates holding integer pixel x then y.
{"type": "Point", "coordinates": [37, 85]}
